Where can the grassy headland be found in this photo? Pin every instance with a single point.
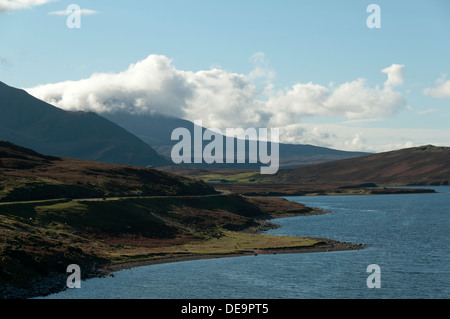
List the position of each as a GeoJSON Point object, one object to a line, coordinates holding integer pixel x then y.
{"type": "Point", "coordinates": [41, 238]}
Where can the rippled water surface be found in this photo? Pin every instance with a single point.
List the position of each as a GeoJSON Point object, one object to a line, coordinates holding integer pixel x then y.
{"type": "Point", "coordinates": [407, 236]}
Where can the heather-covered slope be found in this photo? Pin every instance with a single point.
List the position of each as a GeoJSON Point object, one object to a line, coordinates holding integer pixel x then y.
{"type": "Point", "coordinates": [28, 175]}
{"type": "Point", "coordinates": [425, 165]}
{"type": "Point", "coordinates": [421, 166]}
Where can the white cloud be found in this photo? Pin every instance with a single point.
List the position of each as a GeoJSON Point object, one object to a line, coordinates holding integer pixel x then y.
{"type": "Point", "coordinates": [357, 142]}
{"type": "Point", "coordinates": [262, 75]}
{"type": "Point", "coordinates": [427, 111]}
{"type": "Point", "coordinates": [359, 138]}
{"type": "Point", "coordinates": [66, 13]}
{"type": "Point", "coordinates": [395, 75]}
{"type": "Point", "coordinates": [223, 99]}
{"type": "Point", "coordinates": [351, 100]}
{"type": "Point", "coordinates": [441, 91]}
{"type": "Point", "coordinates": [12, 5]}
{"type": "Point", "coordinates": [150, 85]}
{"type": "Point", "coordinates": [261, 68]}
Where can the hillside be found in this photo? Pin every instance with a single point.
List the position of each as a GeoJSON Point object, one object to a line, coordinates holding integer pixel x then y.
{"type": "Point", "coordinates": [57, 211]}
{"type": "Point", "coordinates": [156, 131]}
{"type": "Point", "coordinates": [40, 239]}
{"type": "Point", "coordinates": [425, 165]}
{"type": "Point", "coordinates": [417, 166]}
{"type": "Point", "coordinates": [27, 121]}
{"type": "Point", "coordinates": [28, 175]}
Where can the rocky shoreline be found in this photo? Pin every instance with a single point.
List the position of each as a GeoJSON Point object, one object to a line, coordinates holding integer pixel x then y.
{"type": "Point", "coordinates": [43, 286]}
{"type": "Point", "coordinates": [56, 282]}
{"type": "Point", "coordinates": [325, 245]}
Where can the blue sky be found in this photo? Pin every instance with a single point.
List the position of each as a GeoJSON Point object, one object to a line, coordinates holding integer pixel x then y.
{"type": "Point", "coordinates": [264, 52]}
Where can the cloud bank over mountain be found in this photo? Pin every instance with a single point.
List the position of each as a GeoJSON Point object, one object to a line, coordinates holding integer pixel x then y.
{"type": "Point", "coordinates": [220, 98]}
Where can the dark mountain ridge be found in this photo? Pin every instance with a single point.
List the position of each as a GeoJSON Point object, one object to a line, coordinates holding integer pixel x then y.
{"type": "Point", "coordinates": [156, 131]}
{"type": "Point", "coordinates": [32, 123]}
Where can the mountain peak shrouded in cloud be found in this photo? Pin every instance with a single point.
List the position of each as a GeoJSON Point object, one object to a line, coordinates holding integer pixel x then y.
{"type": "Point", "coordinates": [32, 123]}
{"type": "Point", "coordinates": [147, 86]}
{"type": "Point", "coordinates": [322, 76]}
{"type": "Point", "coordinates": [220, 98]}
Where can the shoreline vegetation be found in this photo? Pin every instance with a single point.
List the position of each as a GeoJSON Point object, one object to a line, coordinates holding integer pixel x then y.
{"type": "Point", "coordinates": [299, 244]}
{"type": "Point", "coordinates": [323, 245]}
{"type": "Point", "coordinates": [291, 191]}
{"type": "Point", "coordinates": [129, 216]}
{"type": "Point", "coordinates": [226, 225]}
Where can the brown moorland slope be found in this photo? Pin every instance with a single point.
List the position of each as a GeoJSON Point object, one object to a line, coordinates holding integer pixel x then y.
{"type": "Point", "coordinates": [424, 165]}
{"type": "Point", "coordinates": [417, 166]}
{"type": "Point", "coordinates": [176, 218]}
{"type": "Point", "coordinates": [28, 175]}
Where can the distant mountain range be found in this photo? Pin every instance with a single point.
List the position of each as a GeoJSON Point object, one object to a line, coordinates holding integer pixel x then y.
{"type": "Point", "coordinates": [32, 123]}
{"type": "Point", "coordinates": [156, 131]}
{"type": "Point", "coordinates": [119, 138]}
